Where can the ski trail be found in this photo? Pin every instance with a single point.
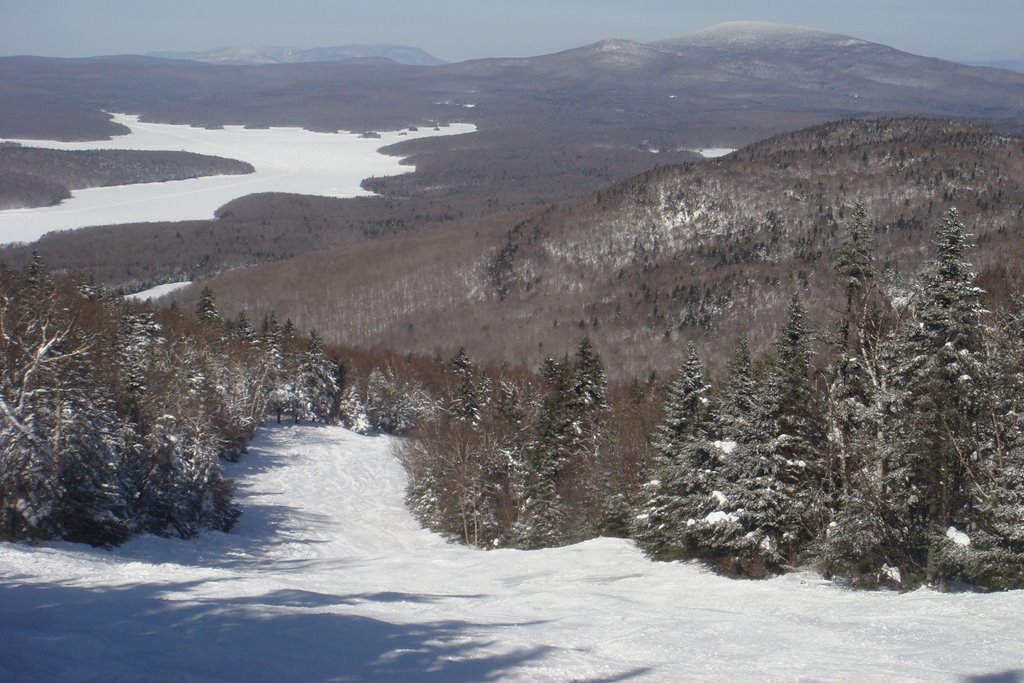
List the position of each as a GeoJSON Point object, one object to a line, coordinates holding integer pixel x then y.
{"type": "Point", "coordinates": [328, 578]}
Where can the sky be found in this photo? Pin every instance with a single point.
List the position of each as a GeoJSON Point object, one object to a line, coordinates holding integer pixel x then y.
{"type": "Point", "coordinates": [456, 30]}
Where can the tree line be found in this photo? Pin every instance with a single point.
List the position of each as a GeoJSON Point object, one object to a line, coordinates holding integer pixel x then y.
{"type": "Point", "coordinates": [886, 449]}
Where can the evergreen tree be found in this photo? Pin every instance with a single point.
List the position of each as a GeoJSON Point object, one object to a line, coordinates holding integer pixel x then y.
{"type": "Point", "coordinates": [685, 468]}
{"type": "Point", "coordinates": [352, 412]}
{"type": "Point", "coordinates": [317, 385]}
{"type": "Point", "coordinates": [794, 420]}
{"type": "Point", "coordinates": [468, 396]}
{"type": "Point", "coordinates": [862, 540]}
{"type": "Point", "coordinates": [939, 407]}
{"type": "Point", "coordinates": [738, 407]}
{"type": "Point", "coordinates": [563, 445]}
{"type": "Point", "coordinates": [541, 522]}
{"type": "Point", "coordinates": [206, 307]}
{"type": "Point", "coordinates": [242, 329]}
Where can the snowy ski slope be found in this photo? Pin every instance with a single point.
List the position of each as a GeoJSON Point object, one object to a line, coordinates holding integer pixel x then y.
{"type": "Point", "coordinates": [328, 578]}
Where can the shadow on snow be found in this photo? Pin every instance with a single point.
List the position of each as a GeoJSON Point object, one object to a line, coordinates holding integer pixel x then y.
{"type": "Point", "coordinates": [59, 632]}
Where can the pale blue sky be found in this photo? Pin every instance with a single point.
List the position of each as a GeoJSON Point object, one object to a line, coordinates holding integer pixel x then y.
{"type": "Point", "coordinates": [455, 30]}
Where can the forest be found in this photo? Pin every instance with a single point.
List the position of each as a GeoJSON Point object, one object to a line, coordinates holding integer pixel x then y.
{"type": "Point", "coordinates": [884, 447]}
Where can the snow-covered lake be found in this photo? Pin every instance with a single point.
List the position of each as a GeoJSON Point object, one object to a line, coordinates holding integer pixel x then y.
{"type": "Point", "coordinates": [328, 578]}
{"type": "Point", "coordinates": [285, 159]}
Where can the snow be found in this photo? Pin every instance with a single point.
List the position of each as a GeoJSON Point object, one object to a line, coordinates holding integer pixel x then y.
{"type": "Point", "coordinates": [158, 291]}
{"type": "Point", "coordinates": [726, 447]}
{"type": "Point", "coordinates": [719, 517]}
{"type": "Point", "coordinates": [713, 152]}
{"type": "Point", "coordinates": [285, 159]}
{"type": "Point", "coordinates": [893, 573]}
{"type": "Point", "coordinates": [327, 577]}
{"type": "Point", "coordinates": [958, 537]}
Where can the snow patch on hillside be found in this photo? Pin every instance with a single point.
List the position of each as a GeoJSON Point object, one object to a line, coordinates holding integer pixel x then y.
{"type": "Point", "coordinates": [327, 577]}
{"type": "Point", "coordinates": [158, 291]}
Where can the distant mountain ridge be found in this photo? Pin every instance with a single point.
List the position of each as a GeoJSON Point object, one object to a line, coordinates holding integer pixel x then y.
{"type": "Point", "coordinates": [250, 55]}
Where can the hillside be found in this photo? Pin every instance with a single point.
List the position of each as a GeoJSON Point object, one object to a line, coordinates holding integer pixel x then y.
{"type": "Point", "coordinates": [703, 251]}
{"type": "Point", "coordinates": [328, 577]}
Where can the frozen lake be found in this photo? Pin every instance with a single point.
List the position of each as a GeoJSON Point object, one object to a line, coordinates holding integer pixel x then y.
{"type": "Point", "coordinates": [285, 159]}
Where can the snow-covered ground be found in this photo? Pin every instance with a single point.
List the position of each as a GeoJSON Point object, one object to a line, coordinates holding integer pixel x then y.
{"type": "Point", "coordinates": [328, 578]}
{"type": "Point", "coordinates": [158, 291]}
{"type": "Point", "coordinates": [285, 159]}
{"type": "Point", "coordinates": [714, 152]}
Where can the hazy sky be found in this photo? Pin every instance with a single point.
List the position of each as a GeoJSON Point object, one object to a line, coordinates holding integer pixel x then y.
{"type": "Point", "coordinates": [455, 30]}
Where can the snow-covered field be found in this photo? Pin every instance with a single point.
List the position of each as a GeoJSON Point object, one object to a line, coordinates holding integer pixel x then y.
{"type": "Point", "coordinates": [285, 159]}
{"type": "Point", "coordinates": [327, 578]}
{"type": "Point", "coordinates": [158, 291]}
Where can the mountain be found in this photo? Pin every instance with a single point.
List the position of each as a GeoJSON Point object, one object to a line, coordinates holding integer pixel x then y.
{"type": "Point", "coordinates": [551, 129]}
{"type": "Point", "coordinates": [399, 54]}
{"type": "Point", "coordinates": [1009, 64]}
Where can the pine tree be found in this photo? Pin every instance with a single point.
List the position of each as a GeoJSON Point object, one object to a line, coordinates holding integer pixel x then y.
{"type": "Point", "coordinates": [798, 435]}
{"type": "Point", "coordinates": [738, 408]}
{"type": "Point", "coordinates": [352, 412]}
{"type": "Point", "coordinates": [316, 385]}
{"type": "Point", "coordinates": [206, 308]}
{"type": "Point", "coordinates": [685, 468]}
{"type": "Point", "coordinates": [468, 396]}
{"type": "Point", "coordinates": [541, 522]}
{"type": "Point", "coordinates": [939, 406]}
{"type": "Point", "coordinates": [861, 542]}
{"type": "Point", "coordinates": [993, 556]}
{"type": "Point", "coordinates": [768, 495]}
{"type": "Point", "coordinates": [563, 445]}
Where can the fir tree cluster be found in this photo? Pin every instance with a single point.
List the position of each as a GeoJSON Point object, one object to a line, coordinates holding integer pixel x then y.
{"type": "Point", "coordinates": [898, 462]}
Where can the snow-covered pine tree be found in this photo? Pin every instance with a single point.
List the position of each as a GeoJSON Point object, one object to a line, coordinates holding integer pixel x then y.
{"type": "Point", "coordinates": [352, 412]}
{"type": "Point", "coordinates": [939, 408]}
{"type": "Point", "coordinates": [467, 397]}
{"type": "Point", "coordinates": [206, 307]}
{"type": "Point", "coordinates": [242, 329]}
{"type": "Point", "coordinates": [685, 468]}
{"type": "Point", "coordinates": [137, 336]}
{"type": "Point", "coordinates": [561, 450]}
{"type": "Point", "coordinates": [991, 549]}
{"type": "Point", "coordinates": [737, 406]}
{"type": "Point", "coordinates": [541, 521]}
{"type": "Point", "coordinates": [768, 498]}
{"type": "Point", "coordinates": [860, 544]}
{"type": "Point", "coordinates": [317, 385]}
{"type": "Point", "coordinates": [799, 436]}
